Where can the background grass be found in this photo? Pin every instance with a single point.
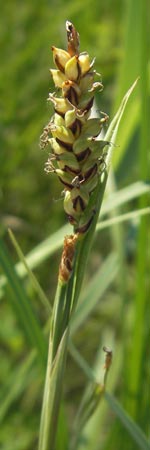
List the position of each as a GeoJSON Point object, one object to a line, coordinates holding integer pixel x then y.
{"type": "Point", "coordinates": [117, 311]}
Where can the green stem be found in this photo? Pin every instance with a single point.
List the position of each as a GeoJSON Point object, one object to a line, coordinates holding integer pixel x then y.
{"type": "Point", "coordinates": [52, 396]}
{"type": "Point", "coordinates": [58, 344]}
{"type": "Point", "coordinates": [57, 319]}
{"type": "Point", "coordinates": [54, 373]}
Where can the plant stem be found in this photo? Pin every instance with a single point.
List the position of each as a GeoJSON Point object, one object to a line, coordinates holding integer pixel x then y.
{"type": "Point", "coordinates": [57, 319]}
{"type": "Point", "coordinates": [58, 343]}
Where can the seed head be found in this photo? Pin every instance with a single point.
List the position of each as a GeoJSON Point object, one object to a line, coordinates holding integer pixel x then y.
{"type": "Point", "coordinates": [78, 157]}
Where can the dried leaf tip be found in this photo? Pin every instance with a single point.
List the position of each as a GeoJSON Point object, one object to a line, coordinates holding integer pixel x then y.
{"type": "Point", "coordinates": [67, 259]}
{"type": "Point", "coordinates": [73, 39]}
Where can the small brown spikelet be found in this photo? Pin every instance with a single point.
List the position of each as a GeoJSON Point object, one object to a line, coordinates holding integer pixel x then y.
{"type": "Point", "coordinates": [73, 39]}
{"type": "Point", "coordinates": [108, 357]}
{"type": "Point", "coordinates": [77, 153]}
{"type": "Point", "coordinates": [67, 259]}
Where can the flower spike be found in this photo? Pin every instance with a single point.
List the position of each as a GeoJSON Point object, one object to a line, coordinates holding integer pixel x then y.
{"type": "Point", "coordinates": [78, 155]}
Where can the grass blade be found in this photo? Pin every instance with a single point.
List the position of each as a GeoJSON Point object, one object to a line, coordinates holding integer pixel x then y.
{"type": "Point", "coordinates": [132, 428]}
{"type": "Point", "coordinates": [86, 242]}
{"type": "Point", "coordinates": [32, 277]}
{"type": "Point", "coordinates": [123, 218]}
{"type": "Point", "coordinates": [18, 380]}
{"type": "Point", "coordinates": [114, 126]}
{"type": "Point", "coordinates": [98, 195]}
{"type": "Point", "coordinates": [125, 195]}
{"type": "Point", "coordinates": [140, 340]}
{"type": "Point", "coordinates": [96, 288]}
{"type": "Point", "coordinates": [22, 306]}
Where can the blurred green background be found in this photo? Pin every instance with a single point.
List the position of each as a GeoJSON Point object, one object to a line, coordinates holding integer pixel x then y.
{"type": "Point", "coordinates": [116, 33]}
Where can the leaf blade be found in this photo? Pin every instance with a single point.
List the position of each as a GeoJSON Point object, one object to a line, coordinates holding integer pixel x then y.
{"type": "Point", "coordinates": [133, 429]}
{"type": "Point", "coordinates": [22, 306]}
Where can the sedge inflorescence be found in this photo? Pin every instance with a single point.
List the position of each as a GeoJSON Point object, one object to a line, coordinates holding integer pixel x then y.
{"type": "Point", "coordinates": [78, 156]}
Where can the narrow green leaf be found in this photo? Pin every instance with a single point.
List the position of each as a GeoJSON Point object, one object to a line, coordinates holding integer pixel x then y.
{"type": "Point", "coordinates": [98, 195]}
{"type": "Point", "coordinates": [86, 242]}
{"type": "Point", "coordinates": [41, 252]}
{"type": "Point", "coordinates": [96, 288]}
{"type": "Point", "coordinates": [125, 195]}
{"type": "Point", "coordinates": [78, 358]}
{"type": "Point", "coordinates": [128, 127]}
{"type": "Point", "coordinates": [123, 218]}
{"type": "Point", "coordinates": [131, 59]}
{"type": "Point", "coordinates": [32, 277]}
{"type": "Point", "coordinates": [22, 306]}
{"type": "Point", "coordinates": [18, 380]}
{"type": "Point", "coordinates": [114, 125]}
{"type": "Point", "coordinates": [140, 340]}
{"type": "Point", "coordinates": [46, 248]}
{"type": "Point", "coordinates": [133, 429]}
{"type": "Point", "coordinates": [94, 428]}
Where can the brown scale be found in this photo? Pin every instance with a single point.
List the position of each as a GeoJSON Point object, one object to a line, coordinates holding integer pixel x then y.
{"type": "Point", "coordinates": [91, 172]}
{"type": "Point", "coordinates": [71, 171]}
{"type": "Point", "coordinates": [68, 265]}
{"type": "Point", "coordinates": [78, 200]}
{"type": "Point", "coordinates": [66, 145]}
{"type": "Point", "coordinates": [81, 157]}
{"type": "Point", "coordinates": [71, 219]}
{"type": "Point", "coordinates": [88, 105]}
{"type": "Point", "coordinates": [81, 179]}
{"type": "Point", "coordinates": [72, 96]}
{"type": "Point", "coordinates": [60, 113]}
{"type": "Point", "coordinates": [67, 185]}
{"type": "Point", "coordinates": [73, 39]}
{"type": "Point", "coordinates": [67, 259]}
{"type": "Point", "coordinates": [66, 168]}
{"type": "Point", "coordinates": [84, 228]}
{"type": "Point", "coordinates": [79, 71]}
{"type": "Point", "coordinates": [76, 126]}
{"type": "Point", "coordinates": [57, 62]}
